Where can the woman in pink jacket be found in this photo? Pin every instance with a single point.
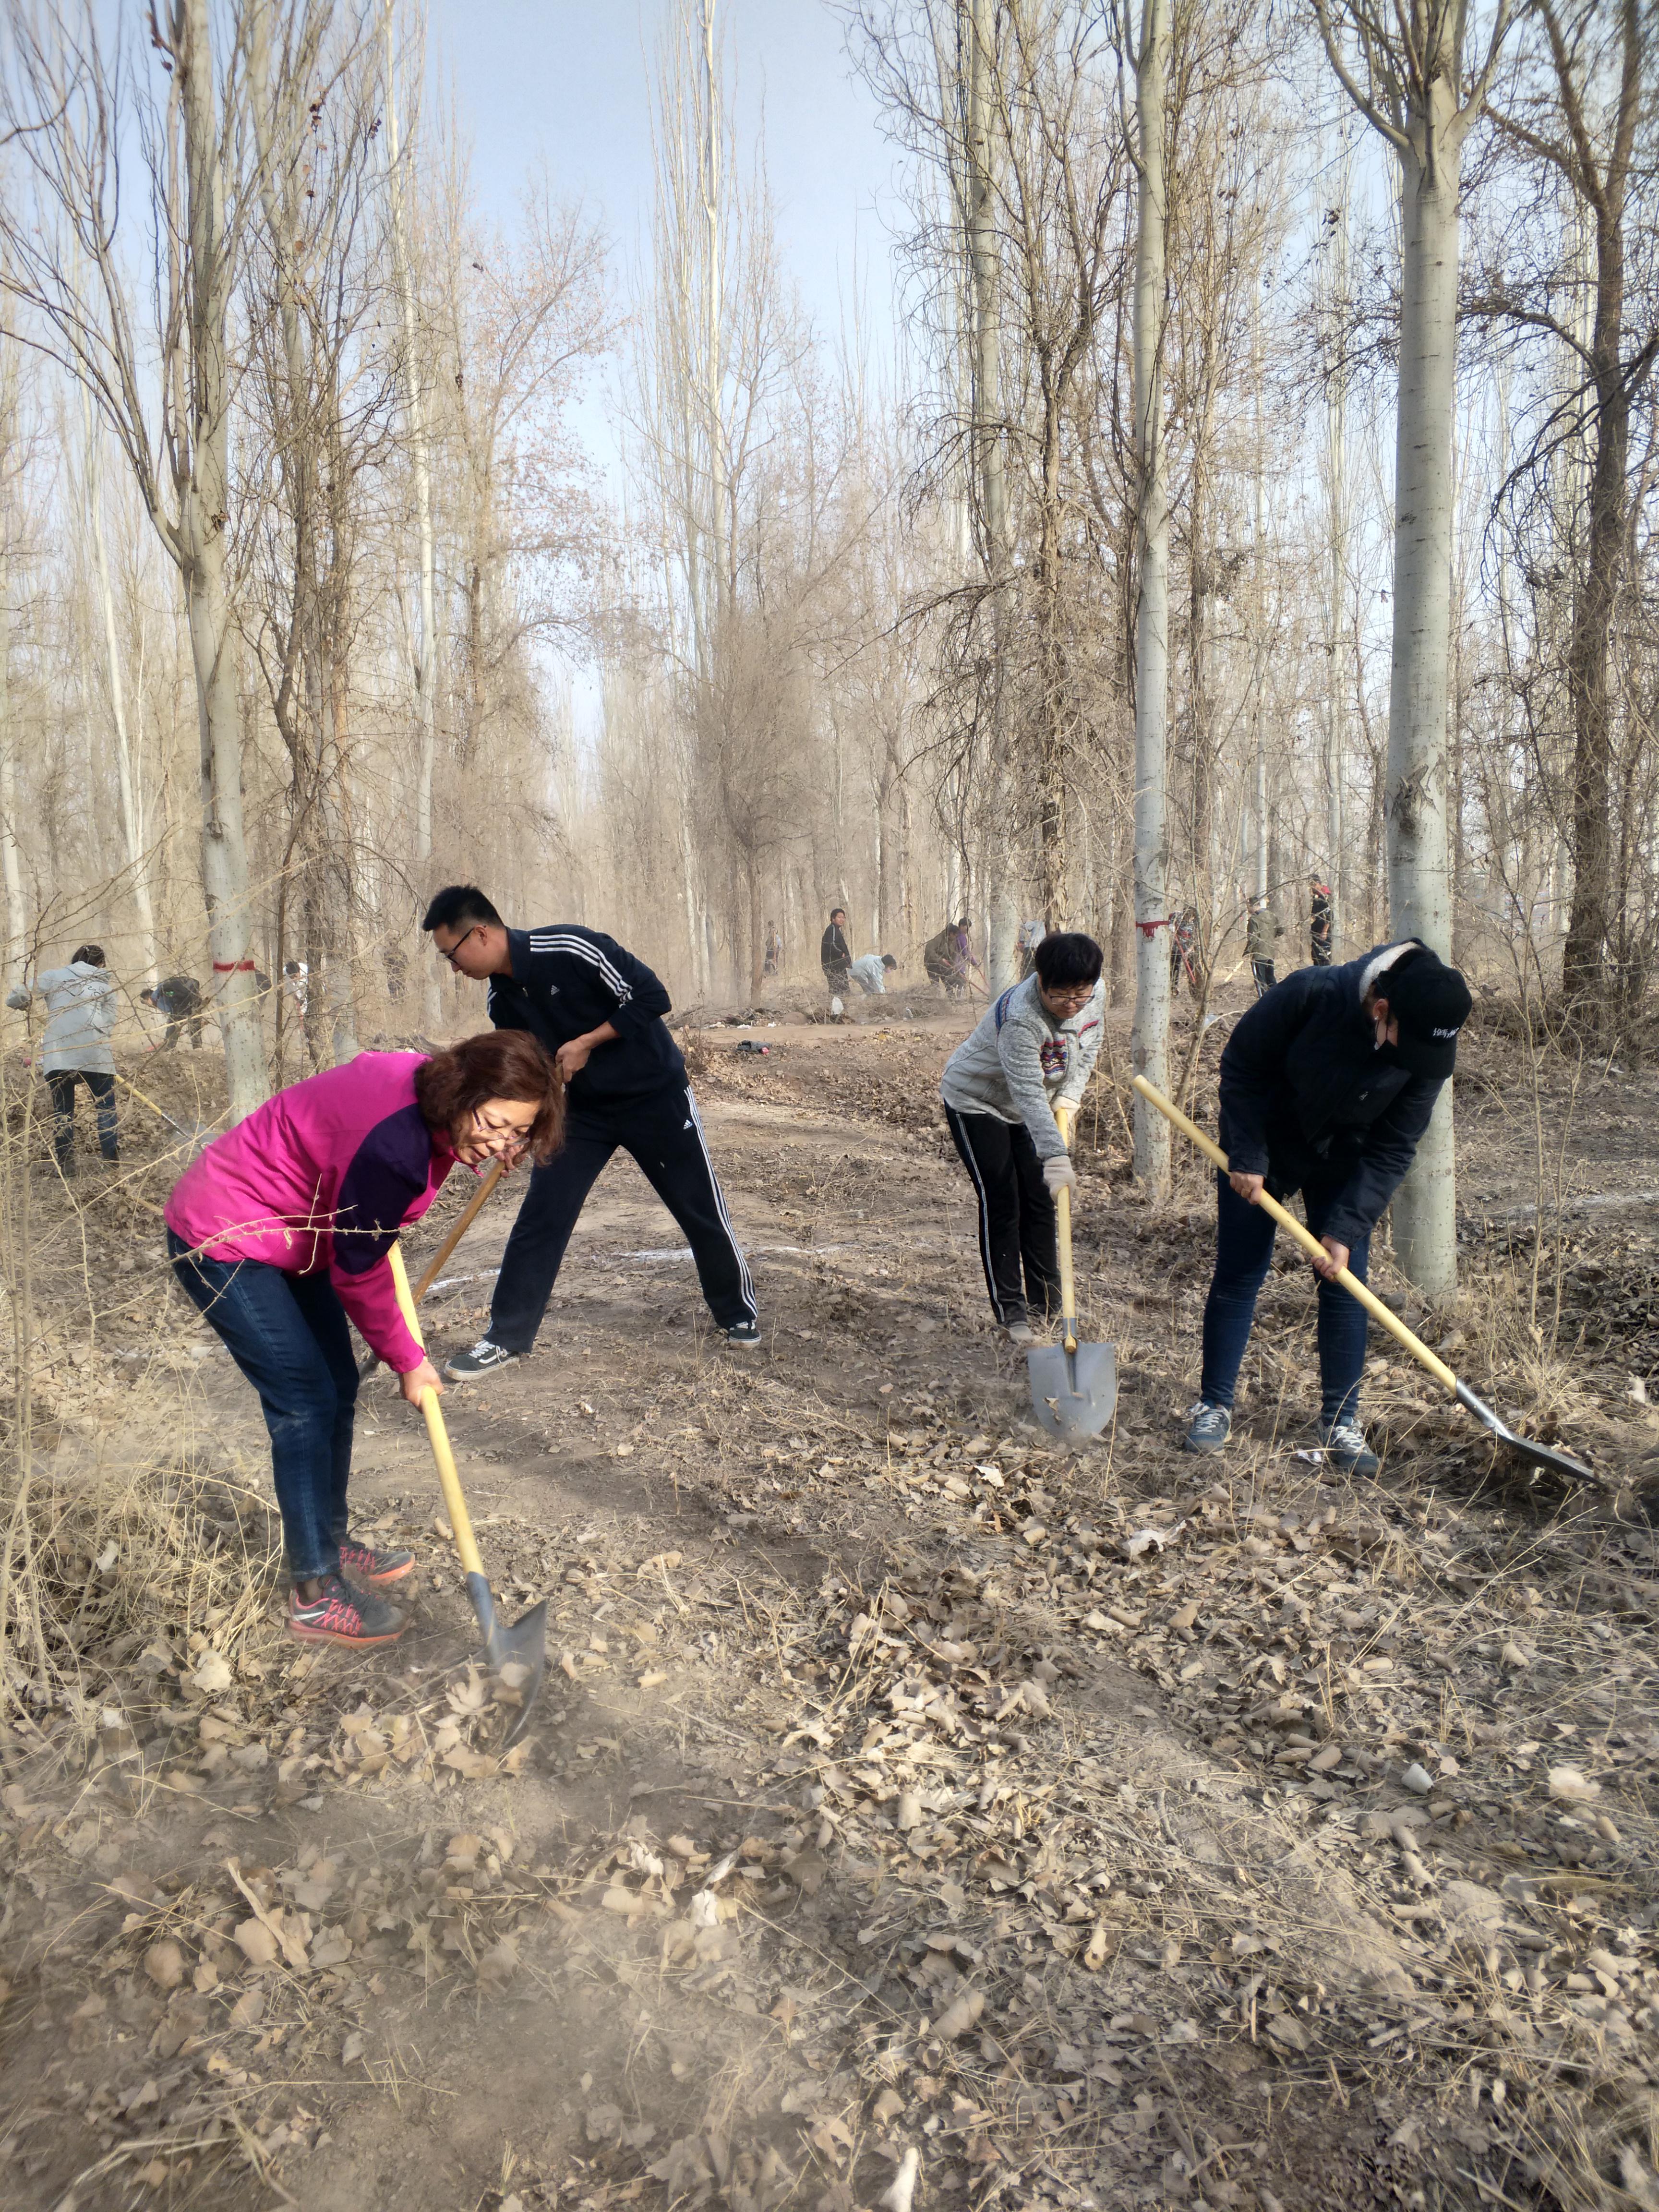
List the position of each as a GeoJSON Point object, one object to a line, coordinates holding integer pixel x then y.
{"type": "Point", "coordinates": [282, 1230]}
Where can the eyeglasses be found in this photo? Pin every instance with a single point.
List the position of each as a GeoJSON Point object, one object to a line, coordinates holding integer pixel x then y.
{"type": "Point", "coordinates": [459, 941]}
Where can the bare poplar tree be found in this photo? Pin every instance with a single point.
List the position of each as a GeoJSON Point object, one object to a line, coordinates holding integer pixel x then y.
{"type": "Point", "coordinates": [420, 465]}
{"type": "Point", "coordinates": [1577, 121]}
{"type": "Point", "coordinates": [69, 102]}
{"type": "Point", "coordinates": [1147, 52]}
{"type": "Point", "coordinates": [1412, 85]}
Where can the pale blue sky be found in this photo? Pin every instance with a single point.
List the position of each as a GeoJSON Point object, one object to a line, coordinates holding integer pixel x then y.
{"type": "Point", "coordinates": [568, 82]}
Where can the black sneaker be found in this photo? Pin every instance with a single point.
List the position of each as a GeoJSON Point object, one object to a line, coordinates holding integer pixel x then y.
{"type": "Point", "coordinates": [744, 1336]}
{"type": "Point", "coordinates": [374, 1570]}
{"type": "Point", "coordinates": [484, 1359]}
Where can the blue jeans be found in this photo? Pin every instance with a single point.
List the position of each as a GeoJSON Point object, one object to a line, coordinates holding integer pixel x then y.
{"type": "Point", "coordinates": [289, 1336]}
{"type": "Point", "coordinates": [1244, 1249]}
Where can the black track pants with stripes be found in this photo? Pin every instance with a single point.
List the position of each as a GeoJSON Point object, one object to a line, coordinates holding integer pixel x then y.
{"type": "Point", "coordinates": [1016, 1215]}
{"type": "Point", "coordinates": [665, 1134]}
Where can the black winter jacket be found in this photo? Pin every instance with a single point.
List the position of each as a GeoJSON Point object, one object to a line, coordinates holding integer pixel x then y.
{"type": "Point", "coordinates": [834, 950]}
{"type": "Point", "coordinates": [566, 980]}
{"type": "Point", "coordinates": [1306, 1096]}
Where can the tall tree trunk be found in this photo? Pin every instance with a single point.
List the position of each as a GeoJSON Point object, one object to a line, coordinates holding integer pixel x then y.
{"type": "Point", "coordinates": [1150, 1044]}
{"type": "Point", "coordinates": [1336, 870]}
{"type": "Point", "coordinates": [204, 505]}
{"type": "Point", "coordinates": [14, 961]}
{"type": "Point", "coordinates": [1594, 935]}
{"type": "Point", "coordinates": [426, 670]}
{"type": "Point", "coordinates": [986, 254]}
{"type": "Point", "coordinates": [1420, 903]}
{"type": "Point", "coordinates": [128, 767]}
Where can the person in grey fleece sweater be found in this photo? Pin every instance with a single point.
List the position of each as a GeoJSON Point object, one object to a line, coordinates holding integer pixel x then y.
{"type": "Point", "coordinates": [1034, 1050]}
{"type": "Point", "coordinates": [80, 1007]}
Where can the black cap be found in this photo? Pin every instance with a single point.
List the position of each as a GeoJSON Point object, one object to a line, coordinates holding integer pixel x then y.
{"type": "Point", "coordinates": [1431, 1002]}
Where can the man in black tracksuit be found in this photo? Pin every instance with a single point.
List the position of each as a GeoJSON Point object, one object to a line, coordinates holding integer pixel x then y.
{"type": "Point", "coordinates": [598, 1011]}
{"type": "Point", "coordinates": [1328, 1083]}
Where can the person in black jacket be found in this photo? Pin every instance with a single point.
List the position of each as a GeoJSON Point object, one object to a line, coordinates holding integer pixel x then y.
{"type": "Point", "coordinates": [1327, 1086]}
{"type": "Point", "coordinates": [836, 954]}
{"type": "Point", "coordinates": [599, 1011]}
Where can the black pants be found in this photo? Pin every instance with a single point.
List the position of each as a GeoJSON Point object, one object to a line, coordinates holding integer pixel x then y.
{"type": "Point", "coordinates": [61, 1082]}
{"type": "Point", "coordinates": [1016, 1215]}
{"type": "Point", "coordinates": [1265, 979]}
{"type": "Point", "coordinates": [665, 1135]}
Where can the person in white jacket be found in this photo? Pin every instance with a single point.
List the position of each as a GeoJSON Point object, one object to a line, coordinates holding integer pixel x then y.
{"type": "Point", "coordinates": [1034, 1050]}
{"type": "Point", "coordinates": [81, 1007]}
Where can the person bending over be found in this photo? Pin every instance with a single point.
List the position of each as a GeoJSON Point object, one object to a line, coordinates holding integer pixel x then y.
{"type": "Point", "coordinates": [1033, 1050]}
{"type": "Point", "coordinates": [283, 1228]}
{"type": "Point", "coordinates": [870, 972]}
{"type": "Point", "coordinates": [599, 1011]}
{"type": "Point", "coordinates": [1327, 1086]}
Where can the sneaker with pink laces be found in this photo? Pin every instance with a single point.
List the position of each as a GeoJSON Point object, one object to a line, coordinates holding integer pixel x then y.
{"type": "Point", "coordinates": [375, 1569]}
{"type": "Point", "coordinates": [339, 1614]}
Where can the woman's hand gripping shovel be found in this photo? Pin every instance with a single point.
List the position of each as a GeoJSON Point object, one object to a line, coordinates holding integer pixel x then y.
{"type": "Point", "coordinates": [1073, 1386]}
{"type": "Point", "coordinates": [1557, 1462]}
{"type": "Point", "coordinates": [523, 1647]}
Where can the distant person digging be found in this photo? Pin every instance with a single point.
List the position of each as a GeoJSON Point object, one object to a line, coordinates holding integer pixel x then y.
{"type": "Point", "coordinates": [948, 959]}
{"type": "Point", "coordinates": [178, 999]}
{"type": "Point", "coordinates": [870, 972]}
{"type": "Point", "coordinates": [80, 1005]}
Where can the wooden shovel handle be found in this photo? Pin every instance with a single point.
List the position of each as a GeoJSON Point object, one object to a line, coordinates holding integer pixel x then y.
{"type": "Point", "coordinates": [468, 1214]}
{"type": "Point", "coordinates": [449, 1479]}
{"type": "Point", "coordinates": [1310, 1244]}
{"type": "Point", "coordinates": [1063, 1116]}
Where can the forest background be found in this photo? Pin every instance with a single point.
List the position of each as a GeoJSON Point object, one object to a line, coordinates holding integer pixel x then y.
{"type": "Point", "coordinates": [324, 497]}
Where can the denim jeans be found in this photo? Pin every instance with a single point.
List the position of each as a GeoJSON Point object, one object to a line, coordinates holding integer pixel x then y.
{"type": "Point", "coordinates": [289, 1335]}
{"type": "Point", "coordinates": [1244, 1249]}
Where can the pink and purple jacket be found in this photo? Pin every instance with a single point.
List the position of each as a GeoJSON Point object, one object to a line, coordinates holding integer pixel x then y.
{"type": "Point", "coordinates": [323, 1177]}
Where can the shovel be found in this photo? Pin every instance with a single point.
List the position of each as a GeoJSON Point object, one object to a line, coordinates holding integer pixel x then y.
{"type": "Point", "coordinates": [1073, 1386]}
{"type": "Point", "coordinates": [465, 1220]}
{"type": "Point", "coordinates": [524, 1644]}
{"type": "Point", "coordinates": [1539, 1454]}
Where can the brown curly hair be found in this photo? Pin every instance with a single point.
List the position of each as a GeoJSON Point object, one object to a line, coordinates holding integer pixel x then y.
{"type": "Point", "coordinates": [451, 1086]}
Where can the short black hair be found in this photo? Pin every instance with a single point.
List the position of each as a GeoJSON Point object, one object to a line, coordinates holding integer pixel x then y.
{"type": "Point", "coordinates": [1068, 956]}
{"type": "Point", "coordinates": [888, 960]}
{"type": "Point", "coordinates": [92, 954]}
{"type": "Point", "coordinates": [458, 904]}
{"type": "Point", "coordinates": [835, 910]}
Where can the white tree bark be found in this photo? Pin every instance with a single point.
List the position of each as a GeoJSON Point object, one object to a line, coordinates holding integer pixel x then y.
{"type": "Point", "coordinates": [1150, 1043]}
{"type": "Point", "coordinates": [1415, 81]}
{"type": "Point", "coordinates": [1419, 898]}
{"type": "Point", "coordinates": [426, 674]}
{"type": "Point", "coordinates": [15, 951]}
{"type": "Point", "coordinates": [204, 505]}
{"type": "Point", "coordinates": [128, 765]}
{"type": "Point", "coordinates": [1337, 873]}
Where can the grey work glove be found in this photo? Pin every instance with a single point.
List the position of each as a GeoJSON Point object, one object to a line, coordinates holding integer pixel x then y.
{"type": "Point", "coordinates": [1059, 1174]}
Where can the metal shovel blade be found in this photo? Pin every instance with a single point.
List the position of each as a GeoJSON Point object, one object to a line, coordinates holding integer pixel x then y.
{"type": "Point", "coordinates": [1557, 1462]}
{"type": "Point", "coordinates": [1073, 1393]}
{"type": "Point", "coordinates": [523, 1645]}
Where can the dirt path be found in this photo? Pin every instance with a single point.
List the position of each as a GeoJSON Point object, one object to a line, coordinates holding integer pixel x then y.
{"type": "Point", "coordinates": [894, 1791]}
